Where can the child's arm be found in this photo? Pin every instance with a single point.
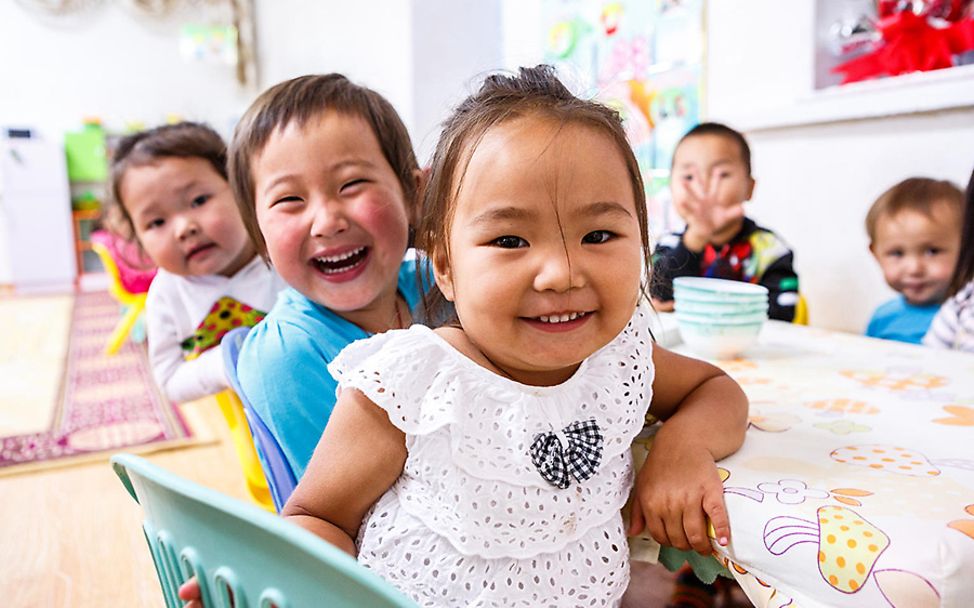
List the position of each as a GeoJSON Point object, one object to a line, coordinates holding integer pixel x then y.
{"type": "Point", "coordinates": [678, 487]}
{"type": "Point", "coordinates": [359, 457]}
{"type": "Point", "coordinates": [947, 323]}
{"type": "Point", "coordinates": [179, 380]}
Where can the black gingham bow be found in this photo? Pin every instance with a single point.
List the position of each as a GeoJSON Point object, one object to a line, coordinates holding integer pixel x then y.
{"type": "Point", "coordinates": [575, 451]}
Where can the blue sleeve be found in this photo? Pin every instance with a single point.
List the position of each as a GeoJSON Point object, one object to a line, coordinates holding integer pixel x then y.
{"type": "Point", "coordinates": [283, 372]}
{"type": "Point", "coordinates": [885, 313]}
{"type": "Point", "coordinates": [872, 330]}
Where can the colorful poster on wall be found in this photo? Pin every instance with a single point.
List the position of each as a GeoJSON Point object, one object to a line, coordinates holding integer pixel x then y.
{"type": "Point", "coordinates": [643, 58]}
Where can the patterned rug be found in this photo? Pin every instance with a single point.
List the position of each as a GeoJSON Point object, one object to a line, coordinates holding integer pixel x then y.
{"type": "Point", "coordinates": [105, 404]}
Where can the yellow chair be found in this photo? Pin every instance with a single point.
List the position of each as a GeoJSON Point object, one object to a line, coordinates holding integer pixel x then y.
{"type": "Point", "coordinates": [801, 311]}
{"type": "Point", "coordinates": [243, 443]}
{"type": "Point", "coordinates": [127, 285]}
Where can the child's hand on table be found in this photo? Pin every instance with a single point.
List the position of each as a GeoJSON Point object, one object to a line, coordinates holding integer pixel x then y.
{"type": "Point", "coordinates": [677, 489]}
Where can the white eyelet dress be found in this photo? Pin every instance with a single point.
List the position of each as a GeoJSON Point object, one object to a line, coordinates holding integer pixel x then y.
{"type": "Point", "coordinates": [471, 521]}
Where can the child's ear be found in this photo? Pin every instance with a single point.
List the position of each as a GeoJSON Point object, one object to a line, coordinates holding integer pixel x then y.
{"type": "Point", "coordinates": [442, 274]}
{"type": "Point", "coordinates": [415, 207]}
{"type": "Point", "coordinates": [750, 188]}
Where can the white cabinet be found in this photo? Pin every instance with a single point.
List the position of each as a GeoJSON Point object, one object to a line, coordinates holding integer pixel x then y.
{"type": "Point", "coordinates": [36, 240]}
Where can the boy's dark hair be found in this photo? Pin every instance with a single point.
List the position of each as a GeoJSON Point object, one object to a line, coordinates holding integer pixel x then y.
{"type": "Point", "coordinates": [180, 140]}
{"type": "Point", "coordinates": [721, 130]}
{"type": "Point", "coordinates": [533, 91]}
{"type": "Point", "coordinates": [964, 271]}
{"type": "Point", "coordinates": [302, 99]}
{"type": "Point", "coordinates": [920, 194]}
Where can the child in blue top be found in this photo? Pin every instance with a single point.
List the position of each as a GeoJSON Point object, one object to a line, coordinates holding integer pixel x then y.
{"type": "Point", "coordinates": [327, 180]}
{"type": "Point", "coordinates": [914, 234]}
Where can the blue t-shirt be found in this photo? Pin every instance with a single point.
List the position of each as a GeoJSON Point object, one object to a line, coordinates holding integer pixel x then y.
{"type": "Point", "coordinates": [283, 366]}
{"type": "Point", "coordinates": [899, 320]}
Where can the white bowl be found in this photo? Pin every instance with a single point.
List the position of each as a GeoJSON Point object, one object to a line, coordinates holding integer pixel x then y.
{"type": "Point", "coordinates": [693, 295]}
{"type": "Point", "coordinates": [714, 322]}
{"type": "Point", "coordinates": [718, 341]}
{"type": "Point", "coordinates": [720, 309]}
{"type": "Point", "coordinates": [723, 287]}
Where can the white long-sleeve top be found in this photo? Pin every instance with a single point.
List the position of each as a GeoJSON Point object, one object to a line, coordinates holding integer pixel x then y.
{"type": "Point", "coordinates": [953, 327]}
{"type": "Point", "coordinates": [175, 308]}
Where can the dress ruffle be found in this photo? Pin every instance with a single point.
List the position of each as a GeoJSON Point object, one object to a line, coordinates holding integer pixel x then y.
{"type": "Point", "coordinates": [469, 475]}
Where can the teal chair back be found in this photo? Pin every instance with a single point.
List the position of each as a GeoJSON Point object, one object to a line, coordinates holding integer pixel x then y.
{"type": "Point", "coordinates": [242, 556]}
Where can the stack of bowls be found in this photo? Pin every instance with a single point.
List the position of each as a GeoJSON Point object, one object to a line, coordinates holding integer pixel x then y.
{"type": "Point", "coordinates": [718, 318]}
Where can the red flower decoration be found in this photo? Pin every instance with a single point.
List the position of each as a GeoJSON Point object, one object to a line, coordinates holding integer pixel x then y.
{"type": "Point", "coordinates": [910, 43]}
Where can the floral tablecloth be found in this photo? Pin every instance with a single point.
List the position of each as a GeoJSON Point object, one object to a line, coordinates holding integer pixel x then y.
{"type": "Point", "coordinates": [855, 486]}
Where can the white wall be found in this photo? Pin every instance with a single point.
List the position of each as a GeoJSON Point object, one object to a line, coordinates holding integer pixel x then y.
{"type": "Point", "coordinates": [455, 42]}
{"type": "Point", "coordinates": [108, 63]}
{"type": "Point", "coordinates": [816, 182]}
{"type": "Point", "coordinates": [422, 55]}
{"type": "Point", "coordinates": [370, 41]}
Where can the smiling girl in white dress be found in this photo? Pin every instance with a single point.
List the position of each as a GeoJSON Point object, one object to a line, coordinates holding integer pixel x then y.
{"type": "Point", "coordinates": [498, 452]}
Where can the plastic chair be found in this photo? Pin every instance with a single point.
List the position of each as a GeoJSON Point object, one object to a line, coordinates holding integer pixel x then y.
{"type": "Point", "coordinates": [277, 472]}
{"type": "Point", "coordinates": [128, 284]}
{"type": "Point", "coordinates": [801, 311]}
{"type": "Point", "coordinates": [241, 552]}
{"type": "Point", "coordinates": [243, 443]}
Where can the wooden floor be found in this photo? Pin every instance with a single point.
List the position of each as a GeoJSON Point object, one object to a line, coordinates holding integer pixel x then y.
{"type": "Point", "coordinates": [71, 537]}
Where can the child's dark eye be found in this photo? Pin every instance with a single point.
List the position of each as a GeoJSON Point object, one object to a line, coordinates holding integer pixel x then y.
{"type": "Point", "coordinates": [932, 251]}
{"type": "Point", "coordinates": [155, 223]}
{"type": "Point", "coordinates": [287, 199]}
{"type": "Point", "coordinates": [597, 237]}
{"type": "Point", "coordinates": [509, 242]}
{"type": "Point", "coordinates": [896, 253]}
{"type": "Point", "coordinates": [352, 184]}
{"type": "Point", "coordinates": [200, 200]}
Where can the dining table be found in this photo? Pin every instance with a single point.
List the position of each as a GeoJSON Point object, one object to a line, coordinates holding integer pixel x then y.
{"type": "Point", "coordinates": [855, 483]}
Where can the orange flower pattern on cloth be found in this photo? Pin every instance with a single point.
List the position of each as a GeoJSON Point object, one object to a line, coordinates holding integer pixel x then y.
{"type": "Point", "coordinates": [887, 458]}
{"type": "Point", "coordinates": [964, 526]}
{"type": "Point", "coordinates": [226, 314]}
{"type": "Point", "coordinates": [896, 380]}
{"type": "Point", "coordinates": [959, 416]}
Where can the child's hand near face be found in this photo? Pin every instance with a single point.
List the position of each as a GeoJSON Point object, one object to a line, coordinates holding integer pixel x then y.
{"type": "Point", "coordinates": [707, 216]}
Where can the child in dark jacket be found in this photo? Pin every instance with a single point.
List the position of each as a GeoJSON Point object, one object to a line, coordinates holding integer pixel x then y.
{"type": "Point", "coordinates": [710, 181]}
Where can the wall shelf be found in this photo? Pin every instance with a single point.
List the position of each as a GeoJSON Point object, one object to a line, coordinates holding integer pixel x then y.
{"type": "Point", "coordinates": [919, 92]}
